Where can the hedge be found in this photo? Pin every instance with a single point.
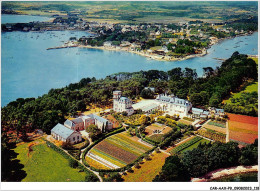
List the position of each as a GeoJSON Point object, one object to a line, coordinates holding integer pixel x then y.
{"type": "Point", "coordinates": [70, 158]}
{"type": "Point", "coordinates": [150, 141]}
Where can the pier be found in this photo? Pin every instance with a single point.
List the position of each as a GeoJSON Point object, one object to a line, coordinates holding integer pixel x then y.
{"type": "Point", "coordinates": [59, 47]}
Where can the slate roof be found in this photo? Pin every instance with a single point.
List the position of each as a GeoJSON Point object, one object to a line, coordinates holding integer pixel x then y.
{"type": "Point", "coordinates": [149, 107]}
{"type": "Point", "coordinates": [197, 111]}
{"type": "Point", "coordinates": [101, 119]}
{"type": "Point", "coordinates": [61, 130]}
{"type": "Point", "coordinates": [69, 123]}
{"type": "Point", "coordinates": [164, 98]}
{"type": "Point", "coordinates": [124, 98]}
{"type": "Point", "coordinates": [77, 120]}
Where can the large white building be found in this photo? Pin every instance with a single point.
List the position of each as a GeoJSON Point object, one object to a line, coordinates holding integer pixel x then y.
{"type": "Point", "coordinates": [121, 104]}
{"type": "Point", "coordinates": [169, 104]}
{"type": "Point", "coordinates": [174, 105]}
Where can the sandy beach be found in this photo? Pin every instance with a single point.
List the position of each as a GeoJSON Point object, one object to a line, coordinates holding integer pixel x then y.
{"type": "Point", "coordinates": [145, 54]}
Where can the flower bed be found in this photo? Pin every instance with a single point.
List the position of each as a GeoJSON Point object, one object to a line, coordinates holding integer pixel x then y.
{"type": "Point", "coordinates": [119, 150]}
{"type": "Point", "coordinates": [218, 124]}
{"type": "Point", "coordinates": [95, 164]}
{"type": "Point", "coordinates": [243, 128]}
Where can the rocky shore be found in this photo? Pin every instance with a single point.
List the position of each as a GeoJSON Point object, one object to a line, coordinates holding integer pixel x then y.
{"type": "Point", "coordinates": [226, 172]}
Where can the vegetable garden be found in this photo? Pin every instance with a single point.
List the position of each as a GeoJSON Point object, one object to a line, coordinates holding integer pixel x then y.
{"type": "Point", "coordinates": [118, 150]}
{"type": "Point", "coordinates": [185, 145]}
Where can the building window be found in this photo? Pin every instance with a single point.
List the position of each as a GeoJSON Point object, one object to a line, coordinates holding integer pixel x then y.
{"type": "Point", "coordinates": [78, 137]}
{"type": "Point", "coordinates": [73, 138]}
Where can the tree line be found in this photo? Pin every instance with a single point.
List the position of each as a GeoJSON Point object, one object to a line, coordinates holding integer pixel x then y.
{"type": "Point", "coordinates": [44, 112]}
{"type": "Point", "coordinates": [206, 158]}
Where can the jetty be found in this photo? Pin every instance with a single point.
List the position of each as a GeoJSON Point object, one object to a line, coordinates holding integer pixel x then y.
{"type": "Point", "coordinates": [59, 47]}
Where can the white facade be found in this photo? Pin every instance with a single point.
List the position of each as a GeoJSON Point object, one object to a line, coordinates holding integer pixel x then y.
{"type": "Point", "coordinates": [121, 104]}
{"type": "Point", "coordinates": [174, 105]}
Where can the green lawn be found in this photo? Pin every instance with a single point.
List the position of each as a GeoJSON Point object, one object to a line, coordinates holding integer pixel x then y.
{"type": "Point", "coordinates": [195, 145]}
{"type": "Point", "coordinates": [255, 59]}
{"type": "Point", "coordinates": [46, 165]}
{"type": "Point", "coordinates": [251, 88]}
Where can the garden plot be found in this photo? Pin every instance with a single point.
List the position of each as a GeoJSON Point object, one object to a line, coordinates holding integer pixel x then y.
{"type": "Point", "coordinates": [117, 151]}
{"type": "Point", "coordinates": [156, 131]}
{"type": "Point", "coordinates": [219, 127]}
{"type": "Point", "coordinates": [243, 128]}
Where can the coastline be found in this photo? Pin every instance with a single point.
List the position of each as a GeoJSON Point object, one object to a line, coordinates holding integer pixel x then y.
{"type": "Point", "coordinates": [163, 58]}
{"type": "Point", "coordinates": [220, 173]}
{"type": "Point", "coordinates": [145, 54]}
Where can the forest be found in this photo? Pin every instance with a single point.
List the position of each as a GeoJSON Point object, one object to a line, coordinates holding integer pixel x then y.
{"type": "Point", "coordinates": [44, 112]}
{"type": "Point", "coordinates": [206, 158]}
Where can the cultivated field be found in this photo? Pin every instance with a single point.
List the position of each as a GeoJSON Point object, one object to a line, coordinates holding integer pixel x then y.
{"type": "Point", "coordinates": [148, 170]}
{"type": "Point", "coordinates": [150, 131]}
{"type": "Point", "coordinates": [163, 128]}
{"type": "Point", "coordinates": [210, 125]}
{"type": "Point", "coordinates": [118, 150]}
{"type": "Point", "coordinates": [43, 164]}
{"type": "Point", "coordinates": [186, 122]}
{"type": "Point", "coordinates": [243, 128]}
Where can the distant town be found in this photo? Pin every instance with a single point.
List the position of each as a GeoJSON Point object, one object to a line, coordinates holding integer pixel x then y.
{"type": "Point", "coordinates": [174, 41]}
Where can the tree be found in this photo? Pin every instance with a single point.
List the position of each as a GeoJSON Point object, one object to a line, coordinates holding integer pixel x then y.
{"type": "Point", "coordinates": [249, 154]}
{"type": "Point", "coordinates": [94, 132]}
{"type": "Point", "coordinates": [173, 171]}
{"type": "Point", "coordinates": [143, 120]}
{"type": "Point", "coordinates": [147, 93]}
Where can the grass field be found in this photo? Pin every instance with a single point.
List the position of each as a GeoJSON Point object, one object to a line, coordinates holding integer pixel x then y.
{"type": "Point", "coordinates": [149, 169]}
{"type": "Point", "coordinates": [249, 89]}
{"type": "Point", "coordinates": [119, 149]}
{"type": "Point", "coordinates": [185, 145]}
{"type": "Point", "coordinates": [243, 128]}
{"type": "Point", "coordinates": [46, 165]}
{"type": "Point", "coordinates": [202, 141]}
{"type": "Point", "coordinates": [255, 59]}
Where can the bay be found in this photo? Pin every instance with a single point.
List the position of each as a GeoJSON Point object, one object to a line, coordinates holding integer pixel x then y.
{"type": "Point", "coordinates": [5, 18]}
{"type": "Point", "coordinates": [29, 70]}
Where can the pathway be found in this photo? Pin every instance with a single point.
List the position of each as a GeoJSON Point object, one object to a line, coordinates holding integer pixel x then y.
{"type": "Point", "coordinates": [227, 132]}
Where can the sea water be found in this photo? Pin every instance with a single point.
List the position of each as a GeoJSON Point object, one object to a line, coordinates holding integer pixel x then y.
{"type": "Point", "coordinates": [28, 69]}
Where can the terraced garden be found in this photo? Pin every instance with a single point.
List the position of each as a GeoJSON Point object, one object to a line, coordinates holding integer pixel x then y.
{"type": "Point", "coordinates": [117, 151]}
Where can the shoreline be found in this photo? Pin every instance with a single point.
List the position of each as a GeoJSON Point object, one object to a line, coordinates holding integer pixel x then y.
{"type": "Point", "coordinates": [221, 173]}
{"type": "Point", "coordinates": [147, 55]}
{"type": "Point", "coordinates": [164, 58]}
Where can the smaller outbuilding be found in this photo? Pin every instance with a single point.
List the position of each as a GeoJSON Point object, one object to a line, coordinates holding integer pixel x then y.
{"type": "Point", "coordinates": [62, 133]}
